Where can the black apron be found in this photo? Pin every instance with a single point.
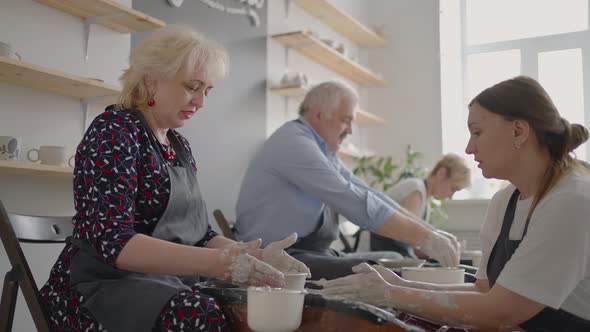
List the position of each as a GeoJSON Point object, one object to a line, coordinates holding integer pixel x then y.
{"type": "Point", "coordinates": [124, 301]}
{"type": "Point", "coordinates": [548, 319]}
{"type": "Point", "coordinates": [314, 250]}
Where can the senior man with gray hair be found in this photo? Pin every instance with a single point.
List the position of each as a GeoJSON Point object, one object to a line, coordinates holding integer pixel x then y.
{"type": "Point", "coordinates": [297, 183]}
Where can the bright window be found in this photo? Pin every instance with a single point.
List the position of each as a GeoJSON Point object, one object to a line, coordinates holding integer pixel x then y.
{"type": "Point", "coordinates": [485, 42]}
{"type": "Point", "coordinates": [561, 74]}
{"type": "Point", "coordinates": [501, 20]}
{"type": "Point", "coordinates": [487, 69]}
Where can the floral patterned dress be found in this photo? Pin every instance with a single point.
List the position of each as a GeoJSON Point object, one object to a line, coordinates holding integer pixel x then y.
{"type": "Point", "coordinates": [121, 188]}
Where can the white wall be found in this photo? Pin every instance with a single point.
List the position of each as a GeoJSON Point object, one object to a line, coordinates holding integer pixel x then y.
{"type": "Point", "coordinates": [284, 16]}
{"type": "Point", "coordinates": [230, 127]}
{"type": "Point", "coordinates": [411, 102]}
{"type": "Point", "coordinates": [48, 37]}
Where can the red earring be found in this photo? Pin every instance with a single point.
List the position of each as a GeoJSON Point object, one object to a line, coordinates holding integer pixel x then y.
{"type": "Point", "coordinates": [151, 102]}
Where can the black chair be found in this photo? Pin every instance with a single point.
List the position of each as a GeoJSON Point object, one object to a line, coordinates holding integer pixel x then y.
{"type": "Point", "coordinates": [14, 229]}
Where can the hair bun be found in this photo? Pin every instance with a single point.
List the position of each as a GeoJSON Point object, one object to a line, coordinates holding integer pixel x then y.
{"type": "Point", "coordinates": [578, 134]}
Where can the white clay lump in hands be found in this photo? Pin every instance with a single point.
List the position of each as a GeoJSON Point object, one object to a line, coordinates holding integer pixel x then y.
{"type": "Point", "coordinates": [243, 268]}
{"type": "Point", "coordinates": [275, 255]}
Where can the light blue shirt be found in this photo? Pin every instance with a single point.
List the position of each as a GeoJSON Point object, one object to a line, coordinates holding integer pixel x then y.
{"type": "Point", "coordinates": [289, 181]}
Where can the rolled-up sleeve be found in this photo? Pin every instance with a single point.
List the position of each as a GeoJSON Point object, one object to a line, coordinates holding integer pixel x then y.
{"type": "Point", "coordinates": [304, 165]}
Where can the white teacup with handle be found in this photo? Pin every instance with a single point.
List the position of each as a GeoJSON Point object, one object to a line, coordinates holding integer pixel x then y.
{"type": "Point", "coordinates": [9, 148]}
{"type": "Point", "coordinates": [7, 51]}
{"type": "Point", "coordinates": [50, 155]}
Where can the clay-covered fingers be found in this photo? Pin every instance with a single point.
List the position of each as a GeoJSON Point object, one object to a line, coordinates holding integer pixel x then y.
{"type": "Point", "coordinates": [275, 255]}
{"type": "Point", "coordinates": [362, 268]}
{"type": "Point", "coordinates": [441, 248]}
{"type": "Point", "coordinates": [284, 243]}
{"type": "Point", "coordinates": [294, 265]}
{"type": "Point", "coordinates": [250, 247]}
{"type": "Point", "coordinates": [389, 276]}
{"type": "Point", "coordinates": [265, 275]}
{"type": "Point", "coordinates": [451, 238]}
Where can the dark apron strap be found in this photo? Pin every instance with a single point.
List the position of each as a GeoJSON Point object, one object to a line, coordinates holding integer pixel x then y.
{"type": "Point", "coordinates": [548, 319]}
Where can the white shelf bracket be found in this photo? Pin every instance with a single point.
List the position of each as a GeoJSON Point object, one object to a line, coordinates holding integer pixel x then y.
{"type": "Point", "coordinates": [93, 20]}
{"type": "Point", "coordinates": [287, 8]}
{"type": "Point", "coordinates": [287, 56]}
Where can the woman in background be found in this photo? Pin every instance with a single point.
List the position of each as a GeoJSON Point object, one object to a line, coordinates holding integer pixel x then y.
{"type": "Point", "coordinates": [449, 175]}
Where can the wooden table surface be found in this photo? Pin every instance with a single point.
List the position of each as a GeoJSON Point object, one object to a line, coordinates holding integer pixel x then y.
{"type": "Point", "coordinates": [322, 314]}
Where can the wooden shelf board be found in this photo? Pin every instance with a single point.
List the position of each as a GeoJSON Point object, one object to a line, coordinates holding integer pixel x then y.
{"type": "Point", "coordinates": [26, 168]}
{"type": "Point", "coordinates": [327, 12]}
{"type": "Point", "coordinates": [116, 15]}
{"type": "Point", "coordinates": [33, 76]}
{"type": "Point", "coordinates": [348, 154]}
{"type": "Point", "coordinates": [321, 53]}
{"type": "Point", "coordinates": [291, 91]}
{"type": "Point", "coordinates": [364, 118]}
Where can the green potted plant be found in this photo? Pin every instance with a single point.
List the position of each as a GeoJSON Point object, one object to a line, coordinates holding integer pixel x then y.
{"type": "Point", "coordinates": [382, 173]}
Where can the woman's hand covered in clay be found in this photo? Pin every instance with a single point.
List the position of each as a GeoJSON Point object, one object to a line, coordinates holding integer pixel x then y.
{"type": "Point", "coordinates": [275, 255]}
{"type": "Point", "coordinates": [366, 286]}
{"type": "Point", "coordinates": [242, 267]}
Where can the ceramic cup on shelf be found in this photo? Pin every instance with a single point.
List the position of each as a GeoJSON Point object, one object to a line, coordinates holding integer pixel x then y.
{"type": "Point", "coordinates": [294, 79]}
{"type": "Point", "coordinates": [9, 147]}
{"type": "Point", "coordinates": [50, 155]}
{"type": "Point", "coordinates": [7, 51]}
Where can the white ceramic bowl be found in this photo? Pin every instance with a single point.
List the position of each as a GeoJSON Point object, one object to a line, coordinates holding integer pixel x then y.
{"type": "Point", "coordinates": [435, 275]}
{"type": "Point", "coordinates": [274, 309]}
{"type": "Point", "coordinates": [295, 281]}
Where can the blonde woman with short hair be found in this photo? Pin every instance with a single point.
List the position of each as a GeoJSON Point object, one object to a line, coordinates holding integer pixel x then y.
{"type": "Point", "coordinates": [141, 236]}
{"type": "Point", "coordinates": [449, 175]}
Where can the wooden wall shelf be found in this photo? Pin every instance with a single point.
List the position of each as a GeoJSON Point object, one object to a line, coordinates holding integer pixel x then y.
{"type": "Point", "coordinates": [291, 91]}
{"type": "Point", "coordinates": [349, 154]}
{"type": "Point", "coordinates": [26, 168]}
{"type": "Point", "coordinates": [327, 12]}
{"type": "Point", "coordinates": [321, 53]}
{"type": "Point", "coordinates": [33, 76]}
{"type": "Point", "coordinates": [364, 118]}
{"type": "Point", "coordinates": [108, 13]}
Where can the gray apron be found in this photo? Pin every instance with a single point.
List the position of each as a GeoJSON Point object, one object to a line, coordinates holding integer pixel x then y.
{"type": "Point", "coordinates": [548, 319]}
{"type": "Point", "coordinates": [124, 301]}
{"type": "Point", "coordinates": [314, 250]}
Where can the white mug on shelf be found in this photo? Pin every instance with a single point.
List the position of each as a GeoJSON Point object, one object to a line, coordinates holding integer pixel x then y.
{"type": "Point", "coordinates": [7, 51]}
{"type": "Point", "coordinates": [294, 79]}
{"type": "Point", "coordinates": [9, 148]}
{"type": "Point", "coordinates": [50, 155]}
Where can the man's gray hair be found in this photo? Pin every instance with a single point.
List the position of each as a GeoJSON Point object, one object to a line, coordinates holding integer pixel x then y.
{"type": "Point", "coordinates": [327, 97]}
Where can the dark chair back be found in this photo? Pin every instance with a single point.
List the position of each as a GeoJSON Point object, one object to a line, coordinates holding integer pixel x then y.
{"type": "Point", "coordinates": [225, 226]}
{"type": "Point", "coordinates": [16, 228]}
